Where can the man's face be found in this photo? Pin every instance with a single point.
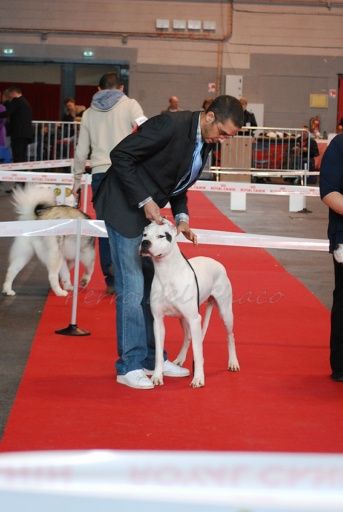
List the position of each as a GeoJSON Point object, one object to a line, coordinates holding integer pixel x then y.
{"type": "Point", "coordinates": [214, 131]}
{"type": "Point", "coordinates": [174, 102]}
{"type": "Point", "coordinates": [70, 106]}
{"type": "Point", "coordinates": [13, 94]}
{"type": "Point", "coordinates": [244, 104]}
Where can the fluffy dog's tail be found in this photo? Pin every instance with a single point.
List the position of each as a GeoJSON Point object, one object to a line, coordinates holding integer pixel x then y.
{"type": "Point", "coordinates": [31, 198]}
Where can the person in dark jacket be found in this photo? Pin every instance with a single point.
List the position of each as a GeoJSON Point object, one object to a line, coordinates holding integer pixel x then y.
{"type": "Point", "coordinates": [20, 128]}
{"type": "Point", "coordinates": [331, 193]}
{"type": "Point", "coordinates": [249, 117]}
{"type": "Point", "coordinates": [150, 168]}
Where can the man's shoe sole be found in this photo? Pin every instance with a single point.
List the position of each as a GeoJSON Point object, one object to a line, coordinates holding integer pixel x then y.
{"type": "Point", "coordinates": [337, 378]}
{"type": "Point", "coordinates": [168, 374]}
{"type": "Point", "coordinates": [133, 387]}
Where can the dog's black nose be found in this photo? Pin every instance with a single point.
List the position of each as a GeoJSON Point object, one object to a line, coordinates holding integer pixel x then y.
{"type": "Point", "coordinates": [145, 245]}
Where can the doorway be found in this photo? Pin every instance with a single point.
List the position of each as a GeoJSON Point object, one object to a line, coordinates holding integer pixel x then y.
{"type": "Point", "coordinates": [43, 83]}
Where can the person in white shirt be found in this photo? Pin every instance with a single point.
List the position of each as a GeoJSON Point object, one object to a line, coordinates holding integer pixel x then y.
{"type": "Point", "coordinates": [111, 117]}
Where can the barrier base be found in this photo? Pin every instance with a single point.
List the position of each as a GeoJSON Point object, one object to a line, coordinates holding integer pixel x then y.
{"type": "Point", "coordinates": [72, 330]}
{"type": "Point", "coordinates": [297, 203]}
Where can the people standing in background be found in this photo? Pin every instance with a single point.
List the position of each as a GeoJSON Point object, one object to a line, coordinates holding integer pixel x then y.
{"type": "Point", "coordinates": [111, 117]}
{"type": "Point", "coordinates": [305, 151]}
{"type": "Point", "coordinates": [249, 117]}
{"type": "Point", "coordinates": [19, 112]}
{"type": "Point", "coordinates": [315, 126]}
{"type": "Point", "coordinates": [5, 154]}
{"type": "Point", "coordinates": [331, 179]}
{"type": "Point", "coordinates": [73, 112]}
{"type": "Point", "coordinates": [173, 105]}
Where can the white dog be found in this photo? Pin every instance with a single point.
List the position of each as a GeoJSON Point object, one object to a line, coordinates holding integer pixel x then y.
{"type": "Point", "coordinates": [177, 287]}
{"type": "Point", "coordinates": [34, 202]}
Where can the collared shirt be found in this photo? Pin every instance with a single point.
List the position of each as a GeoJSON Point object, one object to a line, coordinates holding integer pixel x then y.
{"type": "Point", "coordinates": [196, 164]}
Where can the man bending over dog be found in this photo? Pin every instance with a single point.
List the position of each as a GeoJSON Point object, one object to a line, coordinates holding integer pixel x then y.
{"type": "Point", "coordinates": [150, 168]}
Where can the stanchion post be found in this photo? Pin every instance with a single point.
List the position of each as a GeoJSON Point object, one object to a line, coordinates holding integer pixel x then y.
{"type": "Point", "coordinates": [85, 195]}
{"type": "Point", "coordinates": [73, 329]}
{"type": "Point", "coordinates": [297, 203]}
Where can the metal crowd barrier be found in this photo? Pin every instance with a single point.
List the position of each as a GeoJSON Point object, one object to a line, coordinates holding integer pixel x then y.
{"type": "Point", "coordinates": [255, 155]}
{"type": "Point", "coordinates": [53, 140]}
{"type": "Point", "coordinates": [254, 149]}
{"type": "Point", "coordinates": [260, 150]}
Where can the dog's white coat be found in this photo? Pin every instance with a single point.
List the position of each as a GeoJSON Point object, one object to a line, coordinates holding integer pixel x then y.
{"type": "Point", "coordinates": [174, 293]}
{"type": "Point", "coordinates": [57, 253]}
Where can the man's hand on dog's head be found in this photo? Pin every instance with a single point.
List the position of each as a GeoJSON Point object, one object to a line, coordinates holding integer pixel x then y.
{"type": "Point", "coordinates": [183, 227]}
{"type": "Point", "coordinates": [152, 212]}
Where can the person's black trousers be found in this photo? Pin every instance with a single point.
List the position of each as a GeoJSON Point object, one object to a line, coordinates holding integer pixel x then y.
{"type": "Point", "coordinates": [19, 149]}
{"type": "Point", "coordinates": [336, 338]}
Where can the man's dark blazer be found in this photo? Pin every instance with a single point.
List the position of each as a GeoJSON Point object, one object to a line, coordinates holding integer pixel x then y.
{"type": "Point", "coordinates": [150, 162]}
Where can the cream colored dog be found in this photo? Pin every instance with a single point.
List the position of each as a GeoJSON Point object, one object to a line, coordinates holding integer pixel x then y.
{"type": "Point", "coordinates": [57, 253]}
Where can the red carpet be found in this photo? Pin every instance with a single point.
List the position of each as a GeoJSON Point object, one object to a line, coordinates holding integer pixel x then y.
{"type": "Point", "coordinates": [282, 400]}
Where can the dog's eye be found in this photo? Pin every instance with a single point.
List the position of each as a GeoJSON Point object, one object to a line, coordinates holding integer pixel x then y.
{"type": "Point", "coordinates": [160, 236]}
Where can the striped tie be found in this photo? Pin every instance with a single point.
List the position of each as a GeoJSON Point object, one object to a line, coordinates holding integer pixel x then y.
{"type": "Point", "coordinates": [195, 168]}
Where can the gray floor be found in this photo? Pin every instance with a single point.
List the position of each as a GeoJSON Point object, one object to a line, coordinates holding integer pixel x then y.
{"type": "Point", "coordinates": [19, 315]}
{"type": "Point", "coordinates": [269, 215]}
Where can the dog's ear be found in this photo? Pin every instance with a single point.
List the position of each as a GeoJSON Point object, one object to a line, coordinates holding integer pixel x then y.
{"type": "Point", "coordinates": [168, 236]}
{"type": "Point", "coordinates": [166, 221]}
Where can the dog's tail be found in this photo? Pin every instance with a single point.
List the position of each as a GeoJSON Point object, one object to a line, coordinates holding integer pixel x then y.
{"type": "Point", "coordinates": [30, 199]}
{"type": "Point", "coordinates": [207, 316]}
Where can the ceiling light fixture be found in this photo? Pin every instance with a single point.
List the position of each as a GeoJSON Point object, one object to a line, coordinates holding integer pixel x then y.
{"type": "Point", "coordinates": [88, 53]}
{"type": "Point", "coordinates": [8, 51]}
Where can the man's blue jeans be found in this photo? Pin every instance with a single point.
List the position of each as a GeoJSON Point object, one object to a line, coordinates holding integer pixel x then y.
{"type": "Point", "coordinates": [104, 246]}
{"type": "Point", "coordinates": [132, 281]}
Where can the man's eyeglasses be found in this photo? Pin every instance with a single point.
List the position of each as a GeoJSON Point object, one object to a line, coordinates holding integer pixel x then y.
{"type": "Point", "coordinates": [222, 132]}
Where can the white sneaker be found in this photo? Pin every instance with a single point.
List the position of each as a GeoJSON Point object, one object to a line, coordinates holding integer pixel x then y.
{"type": "Point", "coordinates": [135, 379]}
{"type": "Point", "coordinates": [171, 370]}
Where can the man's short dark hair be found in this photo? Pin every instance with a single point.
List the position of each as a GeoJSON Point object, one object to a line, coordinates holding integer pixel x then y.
{"type": "Point", "coordinates": [14, 88]}
{"type": "Point", "coordinates": [227, 107]}
{"type": "Point", "coordinates": [69, 100]}
{"type": "Point", "coordinates": [110, 81]}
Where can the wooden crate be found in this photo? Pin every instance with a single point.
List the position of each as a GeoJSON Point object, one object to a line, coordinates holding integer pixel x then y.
{"type": "Point", "coordinates": [236, 153]}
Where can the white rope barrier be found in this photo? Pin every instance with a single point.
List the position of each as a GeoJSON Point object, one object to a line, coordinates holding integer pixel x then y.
{"type": "Point", "coordinates": [43, 164]}
{"type": "Point", "coordinates": [42, 177]}
{"type": "Point", "coordinates": [238, 191]}
{"type": "Point", "coordinates": [254, 188]}
{"type": "Point", "coordinates": [7, 174]}
{"type": "Point", "coordinates": [168, 480]}
{"type": "Point", "coordinates": [208, 237]}
{"type": "Point", "coordinates": [262, 173]}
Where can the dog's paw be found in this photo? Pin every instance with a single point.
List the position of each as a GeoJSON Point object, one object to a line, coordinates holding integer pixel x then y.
{"type": "Point", "coordinates": [61, 293]}
{"type": "Point", "coordinates": [68, 287]}
{"type": "Point", "coordinates": [233, 366]}
{"type": "Point", "coordinates": [157, 379]}
{"type": "Point", "coordinates": [198, 382]}
{"type": "Point", "coordinates": [8, 292]}
{"type": "Point", "coordinates": [179, 360]}
{"type": "Point", "coordinates": [84, 282]}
